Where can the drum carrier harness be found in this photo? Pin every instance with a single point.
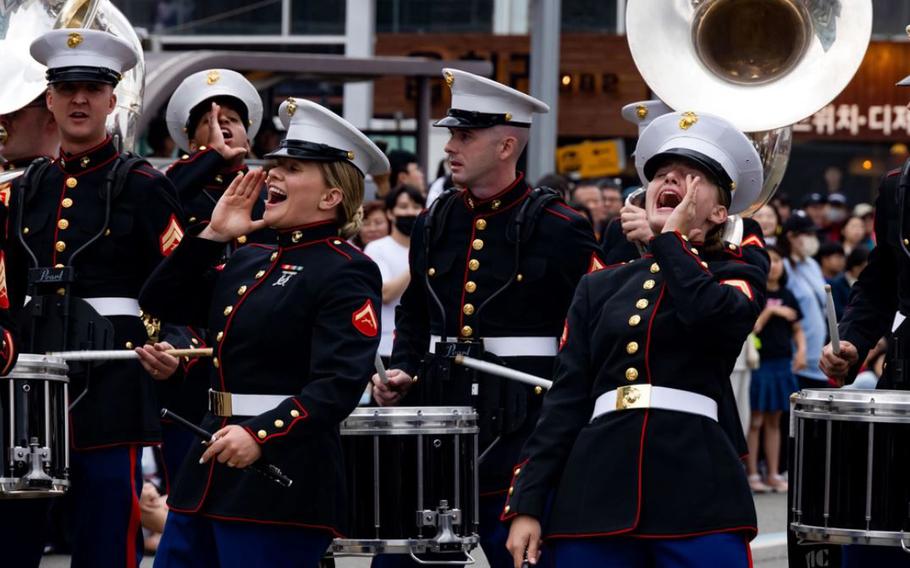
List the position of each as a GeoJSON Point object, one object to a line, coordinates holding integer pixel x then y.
{"type": "Point", "coordinates": [448, 383]}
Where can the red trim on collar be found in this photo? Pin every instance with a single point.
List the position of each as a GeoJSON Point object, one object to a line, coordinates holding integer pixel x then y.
{"type": "Point", "coordinates": [63, 155]}
{"type": "Point", "coordinates": [510, 187]}
{"type": "Point", "coordinates": [189, 159]}
{"type": "Point", "coordinates": [87, 170]}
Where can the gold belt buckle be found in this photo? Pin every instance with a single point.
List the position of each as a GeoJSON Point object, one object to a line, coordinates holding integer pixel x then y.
{"type": "Point", "coordinates": [633, 396]}
{"type": "Point", "coordinates": [220, 403]}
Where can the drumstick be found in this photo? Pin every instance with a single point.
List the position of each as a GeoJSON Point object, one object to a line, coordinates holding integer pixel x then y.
{"type": "Point", "coordinates": [380, 369]}
{"type": "Point", "coordinates": [266, 469]}
{"type": "Point", "coordinates": [832, 320]}
{"type": "Point", "coordinates": [124, 354]}
{"type": "Point", "coordinates": [501, 371]}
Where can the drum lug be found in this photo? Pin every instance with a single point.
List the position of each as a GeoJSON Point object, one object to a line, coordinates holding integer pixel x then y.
{"type": "Point", "coordinates": [35, 457]}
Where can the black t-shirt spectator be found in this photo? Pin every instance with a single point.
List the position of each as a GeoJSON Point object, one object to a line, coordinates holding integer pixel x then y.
{"type": "Point", "coordinates": [777, 335]}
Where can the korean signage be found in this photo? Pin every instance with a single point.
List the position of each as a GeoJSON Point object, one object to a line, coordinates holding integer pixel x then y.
{"type": "Point", "coordinates": [598, 76]}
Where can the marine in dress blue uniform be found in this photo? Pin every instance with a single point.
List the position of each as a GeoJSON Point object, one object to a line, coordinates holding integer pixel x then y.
{"type": "Point", "coordinates": [295, 327]}
{"type": "Point", "coordinates": [879, 303]}
{"type": "Point", "coordinates": [218, 139]}
{"type": "Point", "coordinates": [95, 242]}
{"type": "Point", "coordinates": [492, 274]}
{"type": "Point", "coordinates": [29, 132]}
{"type": "Point", "coordinates": [629, 437]}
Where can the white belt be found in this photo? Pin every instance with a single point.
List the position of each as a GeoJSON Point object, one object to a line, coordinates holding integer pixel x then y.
{"type": "Point", "coordinates": [114, 306]}
{"type": "Point", "coordinates": [513, 346]}
{"type": "Point", "coordinates": [227, 404]}
{"type": "Point", "coordinates": [648, 396]}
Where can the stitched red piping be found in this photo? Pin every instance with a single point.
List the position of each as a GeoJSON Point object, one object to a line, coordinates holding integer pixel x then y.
{"type": "Point", "coordinates": [506, 516]}
{"type": "Point", "coordinates": [88, 170]}
{"type": "Point", "coordinates": [208, 482]}
{"type": "Point", "coordinates": [189, 159]}
{"type": "Point", "coordinates": [748, 530]}
{"type": "Point", "coordinates": [555, 214]}
{"type": "Point", "coordinates": [236, 308]}
{"type": "Point", "coordinates": [330, 529]}
{"type": "Point", "coordinates": [133, 525]}
{"type": "Point", "coordinates": [303, 416]}
{"type": "Point", "coordinates": [692, 254]}
{"type": "Point", "coordinates": [467, 192]}
{"type": "Point", "coordinates": [84, 152]}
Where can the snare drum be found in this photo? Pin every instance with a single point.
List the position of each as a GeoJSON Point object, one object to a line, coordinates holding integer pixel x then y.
{"type": "Point", "coordinates": [850, 479]}
{"type": "Point", "coordinates": [34, 431]}
{"type": "Point", "coordinates": [412, 482]}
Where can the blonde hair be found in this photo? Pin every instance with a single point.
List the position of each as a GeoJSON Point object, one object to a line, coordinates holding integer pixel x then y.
{"type": "Point", "coordinates": [349, 180]}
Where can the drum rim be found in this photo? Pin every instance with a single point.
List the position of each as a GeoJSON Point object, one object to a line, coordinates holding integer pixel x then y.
{"type": "Point", "coordinates": [848, 536]}
{"type": "Point", "coordinates": [837, 399]}
{"type": "Point", "coordinates": [36, 366]}
{"type": "Point", "coordinates": [410, 420]}
{"type": "Point", "coordinates": [353, 546]}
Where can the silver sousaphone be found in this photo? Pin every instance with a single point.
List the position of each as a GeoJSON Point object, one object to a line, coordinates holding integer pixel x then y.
{"type": "Point", "coordinates": [764, 65]}
{"type": "Point", "coordinates": [22, 21]}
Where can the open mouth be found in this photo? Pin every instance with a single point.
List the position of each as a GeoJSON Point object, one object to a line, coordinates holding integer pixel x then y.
{"type": "Point", "coordinates": [276, 196]}
{"type": "Point", "coordinates": [668, 198]}
{"type": "Point", "coordinates": [78, 115]}
{"type": "Point", "coordinates": [226, 134]}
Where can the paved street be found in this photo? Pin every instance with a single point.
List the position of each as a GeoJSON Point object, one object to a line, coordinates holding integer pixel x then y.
{"type": "Point", "coordinates": [769, 549]}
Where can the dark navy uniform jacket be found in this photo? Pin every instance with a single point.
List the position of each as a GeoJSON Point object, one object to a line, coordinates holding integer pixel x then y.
{"type": "Point", "coordinates": [618, 249]}
{"type": "Point", "coordinates": [472, 260]}
{"type": "Point", "coordinates": [62, 215]}
{"type": "Point", "coordinates": [296, 319]}
{"type": "Point", "coordinates": [676, 318]}
{"type": "Point", "coordinates": [883, 287]}
{"type": "Point", "coordinates": [200, 179]}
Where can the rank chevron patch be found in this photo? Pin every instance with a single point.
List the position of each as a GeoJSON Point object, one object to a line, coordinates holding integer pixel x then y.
{"type": "Point", "coordinates": [171, 236]}
{"type": "Point", "coordinates": [365, 320]}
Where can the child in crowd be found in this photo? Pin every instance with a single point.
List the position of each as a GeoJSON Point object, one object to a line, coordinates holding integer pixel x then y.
{"type": "Point", "coordinates": [777, 328]}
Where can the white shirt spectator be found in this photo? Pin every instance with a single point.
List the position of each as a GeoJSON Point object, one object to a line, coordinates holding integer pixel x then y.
{"type": "Point", "coordinates": [392, 260]}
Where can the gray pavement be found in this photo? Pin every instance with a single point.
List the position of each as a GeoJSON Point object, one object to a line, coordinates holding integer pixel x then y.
{"type": "Point", "coordinates": [769, 549]}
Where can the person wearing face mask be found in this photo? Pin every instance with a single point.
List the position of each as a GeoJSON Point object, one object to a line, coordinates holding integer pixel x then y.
{"type": "Point", "coordinates": [390, 254]}
{"type": "Point", "coordinates": [295, 326]}
{"type": "Point", "coordinates": [798, 243]}
{"type": "Point", "coordinates": [629, 445]}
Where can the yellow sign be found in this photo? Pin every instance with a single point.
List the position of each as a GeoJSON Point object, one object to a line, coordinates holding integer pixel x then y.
{"type": "Point", "coordinates": [592, 159]}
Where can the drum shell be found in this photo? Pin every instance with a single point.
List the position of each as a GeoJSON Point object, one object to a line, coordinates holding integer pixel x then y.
{"type": "Point", "coordinates": [390, 454]}
{"type": "Point", "coordinates": [34, 404]}
{"type": "Point", "coordinates": [852, 466]}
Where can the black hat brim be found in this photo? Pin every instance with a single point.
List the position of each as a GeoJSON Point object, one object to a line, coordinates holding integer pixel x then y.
{"type": "Point", "coordinates": [83, 75]}
{"type": "Point", "coordinates": [700, 161]}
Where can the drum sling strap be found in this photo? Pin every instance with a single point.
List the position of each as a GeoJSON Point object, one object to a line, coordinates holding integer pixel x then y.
{"type": "Point", "coordinates": [503, 407]}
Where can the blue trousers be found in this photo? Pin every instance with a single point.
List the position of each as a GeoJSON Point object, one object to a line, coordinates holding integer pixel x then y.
{"type": "Point", "coordinates": [860, 556]}
{"type": "Point", "coordinates": [105, 489]}
{"type": "Point", "coordinates": [192, 541]}
{"type": "Point", "coordinates": [493, 536]}
{"type": "Point", "coordinates": [709, 551]}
